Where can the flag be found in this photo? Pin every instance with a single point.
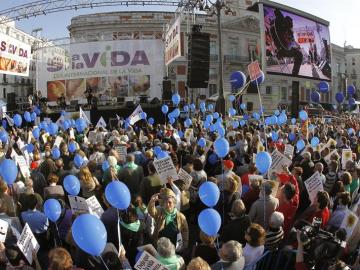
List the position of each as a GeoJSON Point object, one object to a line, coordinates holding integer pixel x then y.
{"type": "Point", "coordinates": [101, 123]}
{"type": "Point", "coordinates": [136, 115]}
{"type": "Point", "coordinates": [83, 115]}
{"type": "Point", "coordinates": [8, 118]}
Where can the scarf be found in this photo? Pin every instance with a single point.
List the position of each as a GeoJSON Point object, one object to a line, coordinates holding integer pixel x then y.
{"type": "Point", "coordinates": [134, 227]}
{"type": "Point", "coordinates": [170, 262]}
{"type": "Point", "coordinates": [131, 165]}
{"type": "Point", "coordinates": [169, 217]}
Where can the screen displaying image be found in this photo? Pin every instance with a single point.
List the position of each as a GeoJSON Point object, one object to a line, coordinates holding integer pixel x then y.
{"type": "Point", "coordinates": [119, 86]}
{"type": "Point", "coordinates": [139, 85]}
{"type": "Point", "coordinates": [296, 46]}
{"type": "Point", "coordinates": [75, 89]}
{"type": "Point", "coordinates": [55, 89]}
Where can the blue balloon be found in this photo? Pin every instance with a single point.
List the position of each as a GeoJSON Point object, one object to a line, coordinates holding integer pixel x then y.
{"type": "Point", "coordinates": [4, 136]}
{"type": "Point", "coordinates": [315, 141]}
{"type": "Point", "coordinates": [213, 158]}
{"type": "Point", "coordinates": [274, 136]}
{"type": "Point", "coordinates": [172, 120]}
{"type": "Point", "coordinates": [274, 120]}
{"type": "Point", "coordinates": [9, 171]}
{"type": "Point", "coordinates": [263, 162]}
{"type": "Point", "coordinates": [80, 124]}
{"type": "Point", "coordinates": [259, 80]}
{"type": "Point", "coordinates": [105, 165]}
{"type": "Point", "coordinates": [206, 124]}
{"type": "Point", "coordinates": [55, 152]}
{"type": "Point", "coordinates": [151, 121]}
{"type": "Point", "coordinates": [268, 121]}
{"type": "Point", "coordinates": [232, 111]}
{"type": "Point", "coordinates": [118, 195]}
{"type": "Point", "coordinates": [292, 137]}
{"type": "Point", "coordinates": [27, 116]}
{"type": "Point", "coordinates": [4, 123]}
{"type": "Point", "coordinates": [216, 115]}
{"type": "Point", "coordinates": [162, 154]}
{"type": "Point", "coordinates": [33, 116]}
{"type": "Point", "coordinates": [72, 185]}
{"type": "Point", "coordinates": [282, 119]}
{"type": "Point", "coordinates": [300, 145]}
{"type": "Point", "coordinates": [221, 147]}
{"type": "Point", "coordinates": [30, 148]}
{"type": "Point", "coordinates": [256, 115]}
{"type": "Point", "coordinates": [164, 109]}
{"type": "Point", "coordinates": [43, 125]}
{"type": "Point", "coordinates": [303, 115]}
{"type": "Point", "coordinates": [351, 131]}
{"type": "Point", "coordinates": [176, 113]}
{"type": "Point", "coordinates": [315, 96]}
{"type": "Point", "coordinates": [243, 106]}
{"type": "Point", "coordinates": [73, 123]}
{"type": "Point", "coordinates": [210, 107]}
{"type": "Point", "coordinates": [277, 112]}
{"type": "Point", "coordinates": [36, 133]}
{"type": "Point", "coordinates": [188, 122]}
{"type": "Point", "coordinates": [157, 150]}
{"type": "Point", "coordinates": [89, 233]}
{"type": "Point", "coordinates": [323, 87]}
{"type": "Point", "coordinates": [78, 160]}
{"type": "Point", "coordinates": [352, 101]}
{"type": "Point", "coordinates": [213, 128]}
{"type": "Point", "coordinates": [192, 107]}
{"type": "Point", "coordinates": [235, 124]}
{"type": "Point", "coordinates": [17, 120]}
{"type": "Point", "coordinates": [209, 221]}
{"type": "Point", "coordinates": [202, 142]}
{"type": "Point", "coordinates": [242, 123]}
{"type": "Point", "coordinates": [52, 209]}
{"type": "Point", "coordinates": [221, 131]}
{"type": "Point", "coordinates": [72, 147]}
{"type": "Point", "coordinates": [293, 121]}
{"type": "Point", "coordinates": [175, 99]}
{"type": "Point", "coordinates": [351, 90]}
{"type": "Point", "coordinates": [186, 108]}
{"type": "Point", "coordinates": [53, 129]}
{"type": "Point", "coordinates": [181, 134]}
{"type": "Point", "coordinates": [209, 193]}
{"type": "Point", "coordinates": [37, 111]}
{"type": "Point", "coordinates": [66, 125]}
{"type": "Point", "coordinates": [209, 118]}
{"type": "Point", "coordinates": [202, 105]}
{"type": "Point", "coordinates": [231, 98]}
{"type": "Point", "coordinates": [339, 97]}
{"type": "Point", "coordinates": [143, 115]}
{"type": "Point", "coordinates": [237, 80]}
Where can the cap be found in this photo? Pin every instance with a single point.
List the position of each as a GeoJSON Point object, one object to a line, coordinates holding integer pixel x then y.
{"type": "Point", "coordinates": [228, 164]}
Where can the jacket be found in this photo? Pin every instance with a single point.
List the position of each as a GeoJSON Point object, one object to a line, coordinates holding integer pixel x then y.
{"type": "Point", "coordinates": [257, 210]}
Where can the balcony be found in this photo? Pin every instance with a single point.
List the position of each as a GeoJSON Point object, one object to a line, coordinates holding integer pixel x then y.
{"type": "Point", "coordinates": [236, 59]}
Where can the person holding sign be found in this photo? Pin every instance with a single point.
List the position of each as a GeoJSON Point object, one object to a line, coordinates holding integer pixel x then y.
{"type": "Point", "coordinates": [169, 222]}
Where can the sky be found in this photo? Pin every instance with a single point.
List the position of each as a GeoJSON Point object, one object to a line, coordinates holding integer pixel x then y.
{"type": "Point", "coordinates": [342, 15]}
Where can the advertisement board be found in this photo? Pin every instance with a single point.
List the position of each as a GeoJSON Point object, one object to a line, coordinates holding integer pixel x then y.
{"type": "Point", "coordinates": [106, 69]}
{"type": "Point", "coordinates": [296, 46]}
{"type": "Point", "coordinates": [15, 56]}
{"type": "Point", "coordinates": [173, 44]}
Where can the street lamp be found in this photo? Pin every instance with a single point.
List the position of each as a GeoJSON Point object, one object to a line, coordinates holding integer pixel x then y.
{"type": "Point", "coordinates": [215, 9]}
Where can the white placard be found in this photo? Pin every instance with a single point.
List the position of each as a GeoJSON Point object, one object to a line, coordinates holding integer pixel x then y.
{"type": "Point", "coordinates": [187, 178]}
{"type": "Point", "coordinates": [189, 134]}
{"type": "Point", "coordinates": [3, 230]}
{"type": "Point", "coordinates": [27, 243]}
{"type": "Point", "coordinates": [346, 155]}
{"type": "Point", "coordinates": [71, 134]}
{"type": "Point", "coordinates": [148, 262]}
{"type": "Point", "coordinates": [92, 136]}
{"type": "Point", "coordinates": [313, 185]}
{"type": "Point", "coordinates": [94, 206]}
{"type": "Point", "coordinates": [328, 144]}
{"type": "Point", "coordinates": [20, 144]}
{"type": "Point", "coordinates": [278, 161]}
{"type": "Point", "coordinates": [289, 150]}
{"type": "Point", "coordinates": [177, 137]}
{"type": "Point", "coordinates": [78, 205]}
{"type": "Point", "coordinates": [122, 151]}
{"type": "Point", "coordinates": [58, 141]}
{"type": "Point", "coordinates": [24, 168]}
{"type": "Point", "coordinates": [349, 223]}
{"type": "Point", "coordinates": [165, 168]}
{"type": "Point", "coordinates": [327, 158]}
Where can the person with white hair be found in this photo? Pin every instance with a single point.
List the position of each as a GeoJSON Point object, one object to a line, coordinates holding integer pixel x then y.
{"type": "Point", "coordinates": [231, 257]}
{"type": "Point", "coordinates": [166, 255]}
{"type": "Point", "coordinates": [275, 233]}
{"type": "Point", "coordinates": [112, 172]}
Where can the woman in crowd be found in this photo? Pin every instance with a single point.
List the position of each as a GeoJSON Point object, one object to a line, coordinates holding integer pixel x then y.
{"type": "Point", "coordinates": [88, 182]}
{"type": "Point", "coordinates": [255, 240]}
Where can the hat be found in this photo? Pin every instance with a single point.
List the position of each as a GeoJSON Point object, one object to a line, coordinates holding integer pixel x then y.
{"type": "Point", "coordinates": [228, 164]}
{"type": "Point", "coordinates": [167, 193]}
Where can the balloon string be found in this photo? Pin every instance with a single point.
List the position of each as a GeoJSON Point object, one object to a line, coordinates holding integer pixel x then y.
{"type": "Point", "coordinates": [217, 246]}
{"type": "Point", "coordinates": [223, 190]}
{"type": "Point", "coordinates": [118, 228]}
{"type": "Point", "coordinates": [243, 89]}
{"type": "Point", "coordinates": [57, 230]}
{"type": "Point", "coordinates": [104, 263]}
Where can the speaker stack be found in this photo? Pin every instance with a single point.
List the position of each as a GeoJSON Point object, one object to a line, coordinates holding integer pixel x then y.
{"type": "Point", "coordinates": [198, 60]}
{"type": "Point", "coordinates": [166, 94]}
{"type": "Point", "coordinates": [11, 102]}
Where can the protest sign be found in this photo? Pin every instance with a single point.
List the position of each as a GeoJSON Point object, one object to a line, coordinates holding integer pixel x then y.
{"type": "Point", "coordinates": [349, 223]}
{"type": "Point", "coordinates": [177, 137]}
{"type": "Point", "coordinates": [165, 168]}
{"type": "Point", "coordinates": [27, 243]}
{"type": "Point", "coordinates": [92, 137]}
{"type": "Point", "coordinates": [78, 205]}
{"type": "Point", "coordinates": [122, 151]}
{"type": "Point", "coordinates": [3, 230]}
{"type": "Point", "coordinates": [189, 134]}
{"type": "Point", "coordinates": [187, 178]}
{"type": "Point", "coordinates": [58, 141]}
{"type": "Point", "coordinates": [329, 143]}
{"type": "Point", "coordinates": [23, 166]}
{"type": "Point", "coordinates": [346, 155]}
{"type": "Point", "coordinates": [71, 134]}
{"type": "Point", "coordinates": [289, 150]}
{"type": "Point", "coordinates": [313, 185]}
{"type": "Point", "coordinates": [148, 262]}
{"type": "Point", "coordinates": [94, 206]}
{"type": "Point", "coordinates": [278, 161]}
{"type": "Point", "coordinates": [327, 158]}
{"type": "Point", "coordinates": [45, 136]}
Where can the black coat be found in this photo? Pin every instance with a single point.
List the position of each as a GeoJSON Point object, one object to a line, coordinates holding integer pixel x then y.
{"type": "Point", "coordinates": [235, 230]}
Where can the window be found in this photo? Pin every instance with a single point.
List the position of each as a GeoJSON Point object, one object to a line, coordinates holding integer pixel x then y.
{"type": "Point", "coordinates": [212, 73]}
{"type": "Point", "coordinates": [268, 90]}
{"type": "Point", "coordinates": [4, 78]}
{"type": "Point", "coordinates": [213, 50]}
{"type": "Point", "coordinates": [283, 93]}
{"type": "Point", "coordinates": [353, 61]}
{"type": "Point", "coordinates": [4, 93]}
{"type": "Point", "coordinates": [234, 48]}
{"type": "Point", "coordinates": [307, 94]}
{"type": "Point", "coordinates": [212, 89]}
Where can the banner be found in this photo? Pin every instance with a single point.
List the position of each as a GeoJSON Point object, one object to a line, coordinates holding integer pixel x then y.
{"type": "Point", "coordinates": [173, 43]}
{"type": "Point", "coordinates": [105, 69]}
{"type": "Point", "coordinates": [136, 115]}
{"type": "Point", "coordinates": [15, 56]}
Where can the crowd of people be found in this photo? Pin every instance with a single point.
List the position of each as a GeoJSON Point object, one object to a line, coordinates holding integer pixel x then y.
{"type": "Point", "coordinates": [263, 214]}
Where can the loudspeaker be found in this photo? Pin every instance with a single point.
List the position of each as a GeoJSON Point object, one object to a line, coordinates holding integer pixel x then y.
{"type": "Point", "coordinates": [249, 106]}
{"type": "Point", "coordinates": [143, 99]}
{"type": "Point", "coordinates": [11, 102]}
{"type": "Point", "coordinates": [295, 98]}
{"type": "Point", "coordinates": [198, 60]}
{"type": "Point", "coordinates": [155, 101]}
{"type": "Point", "coordinates": [129, 104]}
{"type": "Point", "coordinates": [166, 94]}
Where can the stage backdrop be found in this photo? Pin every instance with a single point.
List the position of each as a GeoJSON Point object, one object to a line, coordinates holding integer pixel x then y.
{"type": "Point", "coordinates": [15, 56]}
{"type": "Point", "coordinates": [109, 68]}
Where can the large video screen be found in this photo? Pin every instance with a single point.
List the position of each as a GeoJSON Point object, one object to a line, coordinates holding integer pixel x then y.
{"type": "Point", "coordinates": [296, 46]}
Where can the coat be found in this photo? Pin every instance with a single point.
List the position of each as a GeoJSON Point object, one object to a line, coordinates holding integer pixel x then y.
{"type": "Point", "coordinates": [257, 210]}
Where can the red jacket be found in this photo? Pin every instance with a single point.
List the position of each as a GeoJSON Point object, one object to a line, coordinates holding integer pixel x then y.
{"type": "Point", "coordinates": [288, 209]}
